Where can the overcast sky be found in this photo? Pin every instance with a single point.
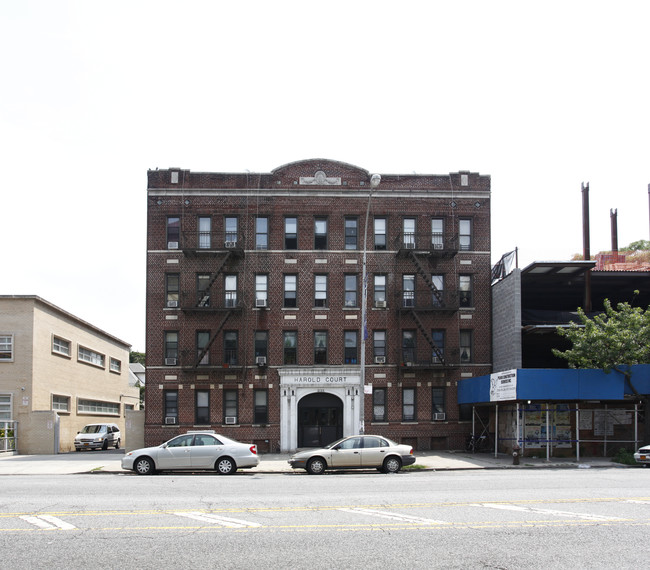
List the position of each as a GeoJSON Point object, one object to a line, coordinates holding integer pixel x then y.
{"type": "Point", "coordinates": [541, 96]}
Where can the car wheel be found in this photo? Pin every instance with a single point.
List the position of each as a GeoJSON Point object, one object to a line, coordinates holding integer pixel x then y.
{"type": "Point", "coordinates": [225, 466]}
{"type": "Point", "coordinates": [117, 444]}
{"type": "Point", "coordinates": [144, 466]}
{"type": "Point", "coordinates": [105, 445]}
{"type": "Point", "coordinates": [392, 465]}
{"type": "Point", "coordinates": [316, 466]}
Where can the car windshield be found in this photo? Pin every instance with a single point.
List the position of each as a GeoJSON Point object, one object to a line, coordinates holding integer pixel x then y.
{"type": "Point", "coordinates": [93, 429]}
{"type": "Point", "coordinates": [331, 445]}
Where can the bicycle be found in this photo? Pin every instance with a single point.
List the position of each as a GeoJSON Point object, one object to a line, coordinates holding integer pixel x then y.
{"type": "Point", "coordinates": [476, 443]}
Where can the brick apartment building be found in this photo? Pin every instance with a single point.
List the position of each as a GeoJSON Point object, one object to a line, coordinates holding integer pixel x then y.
{"type": "Point", "coordinates": [254, 304]}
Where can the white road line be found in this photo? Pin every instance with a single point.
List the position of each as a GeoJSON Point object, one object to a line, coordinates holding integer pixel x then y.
{"type": "Point", "coordinates": [48, 522]}
{"type": "Point", "coordinates": [392, 516]}
{"type": "Point", "coordinates": [214, 519]}
{"type": "Point", "coordinates": [553, 512]}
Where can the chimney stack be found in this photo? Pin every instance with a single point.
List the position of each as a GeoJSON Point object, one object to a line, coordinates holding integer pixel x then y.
{"type": "Point", "coordinates": [585, 244]}
{"type": "Point", "coordinates": [613, 214]}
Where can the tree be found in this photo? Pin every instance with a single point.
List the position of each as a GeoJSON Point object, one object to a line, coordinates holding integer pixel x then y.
{"type": "Point", "coordinates": [137, 357]}
{"type": "Point", "coordinates": [613, 340]}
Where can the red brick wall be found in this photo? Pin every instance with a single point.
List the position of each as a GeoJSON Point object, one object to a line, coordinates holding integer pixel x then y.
{"type": "Point", "coordinates": [277, 195]}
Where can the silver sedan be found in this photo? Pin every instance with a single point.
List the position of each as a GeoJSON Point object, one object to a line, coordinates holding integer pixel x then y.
{"type": "Point", "coordinates": [643, 455]}
{"type": "Point", "coordinates": [193, 451]}
{"type": "Point", "coordinates": [355, 452]}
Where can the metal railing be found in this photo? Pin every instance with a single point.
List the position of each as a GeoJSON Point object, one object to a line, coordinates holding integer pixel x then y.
{"type": "Point", "coordinates": [8, 435]}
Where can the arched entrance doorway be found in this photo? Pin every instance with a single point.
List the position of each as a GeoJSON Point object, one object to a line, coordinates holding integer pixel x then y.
{"type": "Point", "coordinates": [320, 420]}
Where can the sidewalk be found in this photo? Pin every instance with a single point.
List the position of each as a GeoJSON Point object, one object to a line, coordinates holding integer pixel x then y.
{"type": "Point", "coordinates": [110, 462]}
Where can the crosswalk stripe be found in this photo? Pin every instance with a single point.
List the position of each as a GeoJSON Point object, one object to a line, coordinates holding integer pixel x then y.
{"type": "Point", "coordinates": [48, 522]}
{"type": "Point", "coordinates": [214, 519]}
{"type": "Point", "coordinates": [519, 508]}
{"type": "Point", "coordinates": [392, 516]}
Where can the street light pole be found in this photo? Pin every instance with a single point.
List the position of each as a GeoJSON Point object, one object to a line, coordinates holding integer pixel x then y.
{"type": "Point", "coordinates": [375, 179]}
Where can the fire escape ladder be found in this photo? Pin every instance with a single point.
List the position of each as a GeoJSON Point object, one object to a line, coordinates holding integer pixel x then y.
{"type": "Point", "coordinates": [212, 339]}
{"type": "Point", "coordinates": [427, 337]}
{"type": "Point", "coordinates": [436, 292]}
{"type": "Point", "coordinates": [203, 301]}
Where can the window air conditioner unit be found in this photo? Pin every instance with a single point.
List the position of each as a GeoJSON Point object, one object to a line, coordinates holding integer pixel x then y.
{"type": "Point", "coordinates": [380, 360]}
{"type": "Point", "coordinates": [170, 361]}
{"type": "Point", "coordinates": [231, 420]}
{"type": "Point", "coordinates": [436, 360]}
{"type": "Point", "coordinates": [172, 245]}
{"type": "Point", "coordinates": [172, 304]}
{"type": "Point", "coordinates": [260, 303]}
{"type": "Point", "coordinates": [437, 246]}
{"type": "Point", "coordinates": [380, 304]}
{"type": "Point", "coordinates": [409, 245]}
{"type": "Point", "coordinates": [439, 417]}
{"type": "Point", "coordinates": [170, 420]}
{"type": "Point", "coordinates": [260, 360]}
{"type": "Point", "coordinates": [230, 244]}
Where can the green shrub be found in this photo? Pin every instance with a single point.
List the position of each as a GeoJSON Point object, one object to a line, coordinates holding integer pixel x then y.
{"type": "Point", "coordinates": [624, 457]}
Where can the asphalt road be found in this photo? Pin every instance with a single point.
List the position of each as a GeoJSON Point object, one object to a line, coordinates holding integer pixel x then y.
{"type": "Point", "coordinates": [596, 518]}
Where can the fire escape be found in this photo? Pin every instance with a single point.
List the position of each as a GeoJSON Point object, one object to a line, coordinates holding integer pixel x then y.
{"type": "Point", "coordinates": [216, 261]}
{"type": "Point", "coordinates": [439, 302]}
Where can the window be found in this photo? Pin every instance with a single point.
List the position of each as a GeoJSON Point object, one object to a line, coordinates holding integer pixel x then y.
{"type": "Point", "coordinates": [172, 289]}
{"type": "Point", "coordinates": [202, 340]}
{"type": "Point", "coordinates": [290, 345]}
{"type": "Point", "coordinates": [203, 289]}
{"type": "Point", "coordinates": [351, 233]}
{"type": "Point", "coordinates": [438, 282]}
{"type": "Point", "coordinates": [408, 234]}
{"type": "Point", "coordinates": [205, 232]}
{"type": "Point", "coordinates": [261, 290]}
{"type": "Point", "coordinates": [379, 344]}
{"type": "Point", "coordinates": [97, 407]}
{"type": "Point", "coordinates": [380, 290]}
{"type": "Point", "coordinates": [171, 405]}
{"type": "Point", "coordinates": [437, 233]}
{"type": "Point", "coordinates": [202, 407]}
{"type": "Point", "coordinates": [61, 403]}
{"type": "Point", "coordinates": [466, 346]}
{"type": "Point", "coordinates": [261, 343]}
{"type": "Point", "coordinates": [261, 233]}
{"type": "Point", "coordinates": [379, 404]}
{"type": "Point", "coordinates": [408, 347]}
{"type": "Point", "coordinates": [230, 406]}
{"type": "Point", "coordinates": [91, 357]}
{"type": "Point", "coordinates": [465, 234]}
{"type": "Point", "coordinates": [320, 233]}
{"type": "Point", "coordinates": [291, 233]}
{"type": "Point", "coordinates": [261, 407]}
{"type": "Point", "coordinates": [320, 347]}
{"type": "Point", "coordinates": [438, 338]}
{"type": "Point", "coordinates": [232, 231]}
{"type": "Point", "coordinates": [230, 290]}
{"type": "Point", "coordinates": [437, 402]}
{"type": "Point", "coordinates": [171, 346]}
{"type": "Point", "coordinates": [408, 405]}
{"type": "Point", "coordinates": [408, 290]}
{"type": "Point", "coordinates": [115, 365]}
{"type": "Point", "coordinates": [465, 296]}
{"type": "Point", "coordinates": [350, 347]}
{"type": "Point", "coordinates": [230, 342]}
{"type": "Point", "coordinates": [320, 290]}
{"type": "Point", "coordinates": [173, 232]}
{"type": "Point", "coordinates": [59, 346]}
{"type": "Point", "coordinates": [350, 290]}
{"type": "Point", "coordinates": [380, 233]}
{"type": "Point", "coordinates": [290, 290]}
{"type": "Point", "coordinates": [5, 407]}
{"type": "Point", "coordinates": [6, 348]}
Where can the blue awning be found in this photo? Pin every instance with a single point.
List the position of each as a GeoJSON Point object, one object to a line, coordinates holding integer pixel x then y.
{"type": "Point", "coordinates": [552, 385]}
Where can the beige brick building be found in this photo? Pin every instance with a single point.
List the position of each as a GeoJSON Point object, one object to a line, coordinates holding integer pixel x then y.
{"type": "Point", "coordinates": [57, 374]}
